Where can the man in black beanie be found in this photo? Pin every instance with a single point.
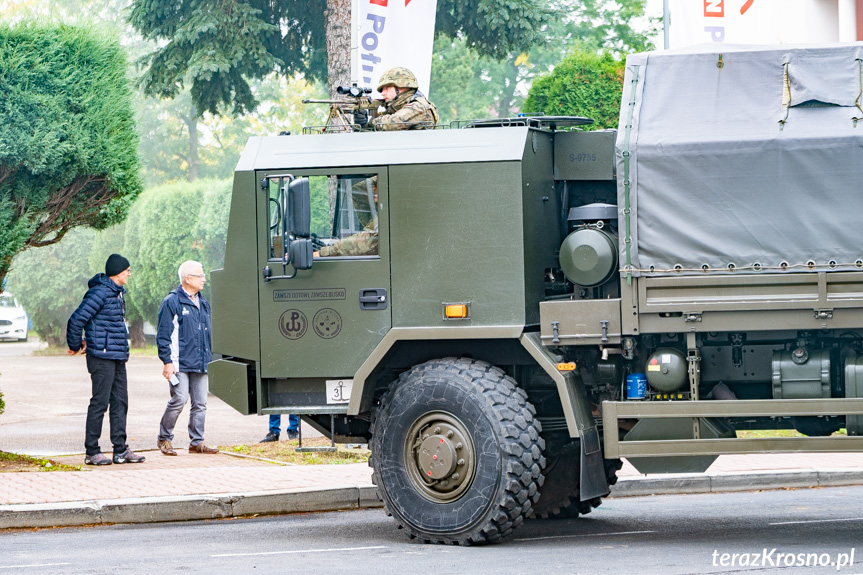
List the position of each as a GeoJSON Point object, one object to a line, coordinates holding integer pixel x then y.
{"type": "Point", "coordinates": [102, 318]}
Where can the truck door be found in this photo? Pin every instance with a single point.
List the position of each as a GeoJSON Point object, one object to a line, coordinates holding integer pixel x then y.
{"type": "Point", "coordinates": [323, 322]}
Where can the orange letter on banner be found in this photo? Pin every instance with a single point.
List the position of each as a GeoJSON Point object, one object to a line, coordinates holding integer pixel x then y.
{"type": "Point", "coordinates": [714, 8]}
{"type": "Point", "coordinates": [379, 2]}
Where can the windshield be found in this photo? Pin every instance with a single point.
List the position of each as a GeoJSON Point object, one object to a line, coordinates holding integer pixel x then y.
{"type": "Point", "coordinates": [8, 301]}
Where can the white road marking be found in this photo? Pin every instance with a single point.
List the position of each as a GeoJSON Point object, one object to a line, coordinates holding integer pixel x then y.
{"type": "Point", "coordinates": [33, 565]}
{"type": "Point", "coordinates": [295, 551]}
{"type": "Point", "coordinates": [817, 521]}
{"type": "Point", "coordinates": [583, 535]}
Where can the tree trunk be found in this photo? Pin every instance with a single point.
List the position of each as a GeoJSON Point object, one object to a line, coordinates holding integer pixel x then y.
{"type": "Point", "coordinates": [54, 336]}
{"type": "Point", "coordinates": [192, 125]}
{"type": "Point", "coordinates": [136, 333]}
{"type": "Point", "coordinates": [508, 87]}
{"type": "Point", "coordinates": [338, 29]}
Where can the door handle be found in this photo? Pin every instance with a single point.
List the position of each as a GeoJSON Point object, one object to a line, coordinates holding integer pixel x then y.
{"type": "Point", "coordinates": [375, 298]}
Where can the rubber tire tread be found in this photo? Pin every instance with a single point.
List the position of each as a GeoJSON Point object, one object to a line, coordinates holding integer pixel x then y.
{"type": "Point", "coordinates": [521, 446]}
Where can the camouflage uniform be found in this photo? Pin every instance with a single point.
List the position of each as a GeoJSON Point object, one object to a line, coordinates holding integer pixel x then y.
{"type": "Point", "coordinates": [410, 111]}
{"type": "Point", "coordinates": [364, 243]}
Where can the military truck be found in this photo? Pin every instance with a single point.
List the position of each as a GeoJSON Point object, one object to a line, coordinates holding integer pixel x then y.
{"type": "Point", "coordinates": [505, 309]}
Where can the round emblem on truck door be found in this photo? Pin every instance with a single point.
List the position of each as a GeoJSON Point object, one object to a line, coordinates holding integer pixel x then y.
{"type": "Point", "coordinates": [327, 323]}
{"type": "Point", "coordinates": [293, 324]}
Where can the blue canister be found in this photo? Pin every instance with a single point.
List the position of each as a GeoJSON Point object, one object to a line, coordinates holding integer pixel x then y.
{"type": "Point", "coordinates": [636, 386]}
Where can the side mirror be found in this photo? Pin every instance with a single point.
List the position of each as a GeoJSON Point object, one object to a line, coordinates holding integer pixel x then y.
{"type": "Point", "coordinates": [301, 254]}
{"type": "Point", "coordinates": [299, 209]}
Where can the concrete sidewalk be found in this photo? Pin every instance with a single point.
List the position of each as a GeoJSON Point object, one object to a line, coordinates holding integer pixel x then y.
{"type": "Point", "coordinates": [193, 486]}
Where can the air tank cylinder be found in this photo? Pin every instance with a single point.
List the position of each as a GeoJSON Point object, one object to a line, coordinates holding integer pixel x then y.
{"type": "Point", "coordinates": [667, 369]}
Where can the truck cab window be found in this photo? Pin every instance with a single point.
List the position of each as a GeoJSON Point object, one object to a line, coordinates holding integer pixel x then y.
{"type": "Point", "coordinates": [345, 215]}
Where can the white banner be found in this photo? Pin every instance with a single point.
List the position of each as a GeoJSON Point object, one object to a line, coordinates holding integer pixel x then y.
{"type": "Point", "coordinates": [758, 21]}
{"type": "Point", "coordinates": [390, 33]}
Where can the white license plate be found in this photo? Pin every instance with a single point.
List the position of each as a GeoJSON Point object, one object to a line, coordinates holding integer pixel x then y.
{"type": "Point", "coordinates": [339, 390]}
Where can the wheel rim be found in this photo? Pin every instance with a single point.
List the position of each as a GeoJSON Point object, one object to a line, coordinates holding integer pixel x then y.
{"type": "Point", "coordinates": [440, 457]}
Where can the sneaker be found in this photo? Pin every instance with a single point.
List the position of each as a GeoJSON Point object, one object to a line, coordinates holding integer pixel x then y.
{"type": "Point", "coordinates": [98, 459]}
{"type": "Point", "coordinates": [128, 456]}
{"type": "Point", "coordinates": [166, 448]}
{"type": "Point", "coordinates": [293, 434]}
{"type": "Point", "coordinates": [201, 448]}
{"type": "Point", "coordinates": [271, 437]}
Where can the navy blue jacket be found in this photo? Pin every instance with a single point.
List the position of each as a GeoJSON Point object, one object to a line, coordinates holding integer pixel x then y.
{"type": "Point", "coordinates": [183, 335]}
{"type": "Point", "coordinates": [102, 318]}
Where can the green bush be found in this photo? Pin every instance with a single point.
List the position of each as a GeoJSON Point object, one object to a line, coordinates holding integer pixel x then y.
{"type": "Point", "coordinates": [68, 144]}
{"type": "Point", "coordinates": [583, 84]}
{"type": "Point", "coordinates": [166, 226]}
{"type": "Point", "coordinates": [50, 282]}
{"type": "Point", "coordinates": [169, 225]}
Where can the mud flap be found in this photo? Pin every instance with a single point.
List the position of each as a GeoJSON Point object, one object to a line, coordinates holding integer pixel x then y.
{"type": "Point", "coordinates": [593, 482]}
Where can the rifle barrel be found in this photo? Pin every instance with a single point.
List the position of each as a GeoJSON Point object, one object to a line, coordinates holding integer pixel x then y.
{"type": "Point", "coordinates": [346, 102]}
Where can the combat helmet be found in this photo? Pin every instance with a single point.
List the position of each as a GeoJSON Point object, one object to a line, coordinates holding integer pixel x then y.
{"type": "Point", "coordinates": [398, 77]}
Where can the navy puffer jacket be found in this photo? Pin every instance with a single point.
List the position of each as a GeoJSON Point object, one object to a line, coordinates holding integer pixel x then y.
{"type": "Point", "coordinates": [102, 318]}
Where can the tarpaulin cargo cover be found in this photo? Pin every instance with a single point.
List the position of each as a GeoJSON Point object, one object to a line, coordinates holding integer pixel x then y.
{"type": "Point", "coordinates": [743, 158]}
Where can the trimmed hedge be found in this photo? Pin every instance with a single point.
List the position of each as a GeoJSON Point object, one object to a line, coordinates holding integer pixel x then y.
{"type": "Point", "coordinates": [583, 84]}
{"type": "Point", "coordinates": [68, 144]}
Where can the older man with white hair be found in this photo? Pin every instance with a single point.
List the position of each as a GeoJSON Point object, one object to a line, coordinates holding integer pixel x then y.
{"type": "Point", "coordinates": [183, 340]}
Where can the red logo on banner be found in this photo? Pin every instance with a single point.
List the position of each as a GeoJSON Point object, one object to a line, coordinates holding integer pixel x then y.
{"type": "Point", "coordinates": [714, 8]}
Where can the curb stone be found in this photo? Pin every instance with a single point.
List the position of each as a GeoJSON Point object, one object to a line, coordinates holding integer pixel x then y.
{"type": "Point", "coordinates": [185, 507]}
{"type": "Point", "coordinates": [725, 482]}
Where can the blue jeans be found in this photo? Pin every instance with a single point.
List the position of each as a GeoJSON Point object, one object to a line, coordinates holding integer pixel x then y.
{"type": "Point", "coordinates": [276, 423]}
{"type": "Point", "coordinates": [194, 386]}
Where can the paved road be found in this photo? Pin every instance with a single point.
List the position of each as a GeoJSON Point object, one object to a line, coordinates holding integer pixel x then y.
{"type": "Point", "coordinates": [47, 397]}
{"type": "Point", "coordinates": [659, 535]}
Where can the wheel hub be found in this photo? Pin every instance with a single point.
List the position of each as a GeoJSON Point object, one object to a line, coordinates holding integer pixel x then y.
{"type": "Point", "coordinates": [437, 457]}
{"type": "Point", "coordinates": [440, 456]}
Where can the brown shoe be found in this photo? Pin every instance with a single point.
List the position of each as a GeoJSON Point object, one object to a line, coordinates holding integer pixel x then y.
{"type": "Point", "coordinates": [165, 447]}
{"type": "Point", "coordinates": [201, 448]}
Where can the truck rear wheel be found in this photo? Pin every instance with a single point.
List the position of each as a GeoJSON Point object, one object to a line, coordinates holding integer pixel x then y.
{"type": "Point", "coordinates": [456, 452]}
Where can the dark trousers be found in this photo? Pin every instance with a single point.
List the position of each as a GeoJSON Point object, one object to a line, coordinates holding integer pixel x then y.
{"type": "Point", "coordinates": [109, 390]}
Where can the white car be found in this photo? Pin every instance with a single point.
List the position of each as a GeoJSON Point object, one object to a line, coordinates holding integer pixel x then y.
{"type": "Point", "coordinates": [13, 319]}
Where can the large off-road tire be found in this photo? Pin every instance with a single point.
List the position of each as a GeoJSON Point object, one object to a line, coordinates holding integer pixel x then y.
{"type": "Point", "coordinates": [560, 496]}
{"type": "Point", "coordinates": [456, 452]}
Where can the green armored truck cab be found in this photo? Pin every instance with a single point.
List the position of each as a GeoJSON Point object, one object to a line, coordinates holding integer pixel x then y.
{"type": "Point", "coordinates": [503, 310]}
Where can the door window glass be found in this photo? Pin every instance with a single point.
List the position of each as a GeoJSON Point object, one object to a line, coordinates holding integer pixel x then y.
{"type": "Point", "coordinates": [345, 215]}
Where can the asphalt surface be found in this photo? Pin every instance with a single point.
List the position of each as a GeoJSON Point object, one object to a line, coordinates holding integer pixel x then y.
{"type": "Point", "coordinates": [662, 535]}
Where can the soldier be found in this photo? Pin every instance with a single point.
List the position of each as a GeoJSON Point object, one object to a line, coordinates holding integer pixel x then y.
{"type": "Point", "coordinates": [406, 107]}
{"type": "Point", "coordinates": [364, 242]}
